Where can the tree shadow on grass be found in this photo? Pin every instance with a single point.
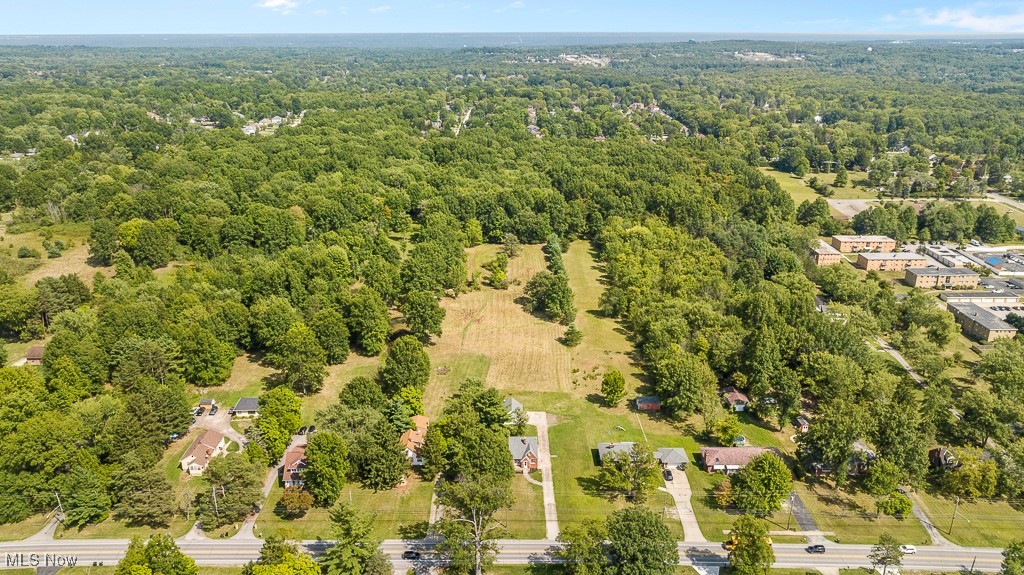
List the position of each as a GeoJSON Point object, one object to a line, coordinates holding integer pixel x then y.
{"type": "Point", "coordinates": [413, 531]}
{"type": "Point", "coordinates": [593, 488]}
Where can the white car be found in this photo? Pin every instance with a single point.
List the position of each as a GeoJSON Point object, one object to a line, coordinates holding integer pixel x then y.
{"type": "Point", "coordinates": [908, 549]}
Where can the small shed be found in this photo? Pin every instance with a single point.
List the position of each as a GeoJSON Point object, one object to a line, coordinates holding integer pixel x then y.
{"type": "Point", "coordinates": [802, 425]}
{"type": "Point", "coordinates": [648, 403]}
{"type": "Point", "coordinates": [34, 355]}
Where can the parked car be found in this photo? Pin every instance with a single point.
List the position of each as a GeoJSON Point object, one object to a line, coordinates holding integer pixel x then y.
{"type": "Point", "coordinates": [667, 474]}
{"type": "Point", "coordinates": [413, 555]}
{"type": "Point", "coordinates": [302, 430]}
{"type": "Point", "coordinates": [816, 549]}
{"type": "Point", "coordinates": [201, 411]}
{"type": "Point", "coordinates": [214, 410]}
{"type": "Point", "coordinates": [311, 430]}
{"type": "Point", "coordinates": [908, 549]}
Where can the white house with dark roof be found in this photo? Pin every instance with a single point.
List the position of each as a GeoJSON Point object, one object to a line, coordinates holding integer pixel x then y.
{"type": "Point", "coordinates": [246, 407]}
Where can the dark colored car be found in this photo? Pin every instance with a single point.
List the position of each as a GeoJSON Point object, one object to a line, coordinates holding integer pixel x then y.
{"type": "Point", "coordinates": [311, 430]}
{"type": "Point", "coordinates": [214, 410]}
{"type": "Point", "coordinates": [668, 474]}
{"type": "Point", "coordinates": [302, 430]}
{"type": "Point", "coordinates": [201, 411]}
{"type": "Point", "coordinates": [411, 555]}
{"type": "Point", "coordinates": [816, 549]}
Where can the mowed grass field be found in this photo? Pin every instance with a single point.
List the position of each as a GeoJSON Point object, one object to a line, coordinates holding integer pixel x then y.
{"type": "Point", "coordinates": [979, 523]}
{"type": "Point", "coordinates": [398, 512]}
{"type": "Point", "coordinates": [73, 260]}
{"type": "Point", "coordinates": [853, 519]}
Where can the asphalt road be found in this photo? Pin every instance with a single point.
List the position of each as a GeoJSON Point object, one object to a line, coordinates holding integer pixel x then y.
{"type": "Point", "coordinates": [231, 552]}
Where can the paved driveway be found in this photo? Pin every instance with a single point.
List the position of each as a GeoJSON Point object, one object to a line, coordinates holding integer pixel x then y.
{"type": "Point", "coordinates": [679, 489]}
{"type": "Point", "coordinates": [221, 423]}
{"type": "Point", "coordinates": [539, 419]}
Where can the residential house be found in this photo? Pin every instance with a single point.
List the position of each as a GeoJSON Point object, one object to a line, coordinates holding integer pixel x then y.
{"type": "Point", "coordinates": [728, 459]}
{"type": "Point", "coordinates": [605, 449]}
{"type": "Point", "coordinates": [514, 409]}
{"type": "Point", "coordinates": [942, 458]}
{"type": "Point", "coordinates": [648, 403]}
{"type": "Point", "coordinates": [247, 407]}
{"type": "Point", "coordinates": [671, 457]}
{"type": "Point", "coordinates": [294, 464]}
{"type": "Point", "coordinates": [34, 355]}
{"type": "Point", "coordinates": [412, 440]}
{"type": "Point", "coordinates": [802, 425]}
{"type": "Point", "coordinates": [205, 447]}
{"type": "Point", "coordinates": [525, 453]}
{"type": "Point", "coordinates": [735, 399]}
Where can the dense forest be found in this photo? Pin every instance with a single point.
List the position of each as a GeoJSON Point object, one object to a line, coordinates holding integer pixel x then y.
{"type": "Point", "coordinates": [302, 243]}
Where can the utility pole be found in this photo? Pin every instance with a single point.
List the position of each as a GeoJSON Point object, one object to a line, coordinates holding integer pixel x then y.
{"type": "Point", "coordinates": [213, 490]}
{"type": "Point", "coordinates": [973, 561]}
{"type": "Point", "coordinates": [59, 505]}
{"type": "Point", "coordinates": [956, 506]}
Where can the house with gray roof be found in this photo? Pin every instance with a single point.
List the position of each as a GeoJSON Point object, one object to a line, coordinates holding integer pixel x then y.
{"type": "Point", "coordinates": [671, 456]}
{"type": "Point", "coordinates": [605, 449]}
{"type": "Point", "coordinates": [525, 453]}
{"type": "Point", "coordinates": [247, 407]}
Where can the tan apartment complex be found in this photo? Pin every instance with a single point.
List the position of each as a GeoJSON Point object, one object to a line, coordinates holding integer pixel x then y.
{"type": "Point", "coordinates": [825, 255]}
{"type": "Point", "coordinates": [863, 243]}
{"type": "Point", "coordinates": [947, 278]}
{"type": "Point", "coordinates": [979, 323]}
{"type": "Point", "coordinates": [890, 261]}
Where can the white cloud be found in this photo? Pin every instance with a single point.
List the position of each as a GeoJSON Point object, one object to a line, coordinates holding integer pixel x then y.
{"type": "Point", "coordinates": [282, 6]}
{"type": "Point", "coordinates": [380, 9]}
{"type": "Point", "coordinates": [982, 18]}
{"type": "Point", "coordinates": [513, 6]}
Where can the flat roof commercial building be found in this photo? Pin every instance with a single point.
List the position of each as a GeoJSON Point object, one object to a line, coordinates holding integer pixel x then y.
{"type": "Point", "coordinates": [947, 256]}
{"type": "Point", "coordinates": [947, 278]}
{"type": "Point", "coordinates": [890, 261]}
{"type": "Point", "coordinates": [863, 243]}
{"type": "Point", "coordinates": [825, 255]}
{"type": "Point", "coordinates": [979, 323]}
{"type": "Point", "coordinates": [980, 297]}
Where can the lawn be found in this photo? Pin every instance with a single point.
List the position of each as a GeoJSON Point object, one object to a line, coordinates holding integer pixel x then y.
{"type": "Point", "coordinates": [22, 529]}
{"type": "Point", "coordinates": [715, 521]}
{"type": "Point", "coordinates": [338, 377]}
{"type": "Point", "coordinates": [525, 520]}
{"type": "Point", "coordinates": [980, 523]}
{"type": "Point", "coordinates": [407, 507]}
{"type": "Point", "coordinates": [852, 516]}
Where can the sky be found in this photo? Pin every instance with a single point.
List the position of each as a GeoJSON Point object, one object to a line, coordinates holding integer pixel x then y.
{"type": "Point", "coordinates": [914, 17]}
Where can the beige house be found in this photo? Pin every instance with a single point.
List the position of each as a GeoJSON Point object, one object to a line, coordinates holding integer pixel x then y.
{"type": "Point", "coordinates": [412, 440]}
{"type": "Point", "coordinates": [890, 261]}
{"type": "Point", "coordinates": [825, 255]}
{"type": "Point", "coordinates": [205, 447]}
{"type": "Point", "coordinates": [863, 243]}
{"type": "Point", "coordinates": [947, 278]}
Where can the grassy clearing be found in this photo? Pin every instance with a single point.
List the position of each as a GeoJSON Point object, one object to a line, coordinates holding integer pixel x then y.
{"type": "Point", "coordinates": [16, 350]}
{"type": "Point", "coordinates": [22, 529]}
{"type": "Point", "coordinates": [338, 377]}
{"type": "Point", "coordinates": [407, 507]}
{"type": "Point", "coordinates": [980, 523]}
{"type": "Point", "coordinates": [72, 261]}
{"type": "Point", "coordinates": [111, 529]}
{"type": "Point", "coordinates": [800, 191]}
{"type": "Point", "coordinates": [714, 521]}
{"type": "Point", "coordinates": [247, 379]}
{"type": "Point", "coordinates": [487, 333]}
{"type": "Point", "coordinates": [852, 516]}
